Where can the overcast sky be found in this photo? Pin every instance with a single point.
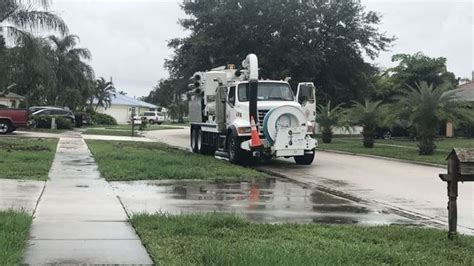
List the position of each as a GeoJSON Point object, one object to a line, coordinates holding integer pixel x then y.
{"type": "Point", "coordinates": [128, 38]}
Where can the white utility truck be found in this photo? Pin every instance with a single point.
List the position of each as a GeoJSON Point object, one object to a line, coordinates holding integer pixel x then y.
{"type": "Point", "coordinates": [236, 115]}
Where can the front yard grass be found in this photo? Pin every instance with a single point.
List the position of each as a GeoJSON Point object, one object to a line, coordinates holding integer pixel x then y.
{"type": "Point", "coordinates": [26, 158]}
{"type": "Point", "coordinates": [44, 130]}
{"type": "Point", "coordinates": [110, 132]}
{"type": "Point", "coordinates": [219, 239]}
{"type": "Point", "coordinates": [14, 232]}
{"type": "Point", "coordinates": [398, 148]}
{"type": "Point", "coordinates": [147, 128]}
{"type": "Point", "coordinates": [123, 161]}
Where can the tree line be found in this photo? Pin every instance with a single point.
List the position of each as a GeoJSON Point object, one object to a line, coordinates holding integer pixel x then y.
{"type": "Point", "coordinates": [50, 70]}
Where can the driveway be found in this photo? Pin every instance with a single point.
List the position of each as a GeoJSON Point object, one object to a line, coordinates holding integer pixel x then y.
{"type": "Point", "coordinates": [413, 191]}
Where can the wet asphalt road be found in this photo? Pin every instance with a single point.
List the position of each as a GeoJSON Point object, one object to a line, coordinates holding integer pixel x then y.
{"type": "Point", "coordinates": [411, 190]}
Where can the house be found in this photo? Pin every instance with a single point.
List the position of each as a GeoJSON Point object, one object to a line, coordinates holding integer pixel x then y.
{"type": "Point", "coordinates": [121, 107]}
{"type": "Point", "coordinates": [10, 99]}
{"type": "Point", "coordinates": [464, 92]}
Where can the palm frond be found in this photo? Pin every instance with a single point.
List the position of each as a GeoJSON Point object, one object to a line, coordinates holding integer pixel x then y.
{"type": "Point", "coordinates": [37, 20]}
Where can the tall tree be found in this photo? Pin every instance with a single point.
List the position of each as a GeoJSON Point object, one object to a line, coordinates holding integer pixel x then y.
{"type": "Point", "coordinates": [30, 69]}
{"type": "Point", "coordinates": [163, 94]}
{"type": "Point", "coordinates": [103, 93]}
{"type": "Point", "coordinates": [73, 75]}
{"type": "Point", "coordinates": [320, 41]}
{"type": "Point", "coordinates": [414, 69]}
{"type": "Point", "coordinates": [17, 17]}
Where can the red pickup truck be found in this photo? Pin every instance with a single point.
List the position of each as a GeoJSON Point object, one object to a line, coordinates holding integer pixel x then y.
{"type": "Point", "coordinates": [11, 119]}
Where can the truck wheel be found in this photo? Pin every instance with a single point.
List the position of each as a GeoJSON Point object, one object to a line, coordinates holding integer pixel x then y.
{"type": "Point", "coordinates": [236, 154]}
{"type": "Point", "coordinates": [194, 136]}
{"type": "Point", "coordinates": [306, 159]}
{"type": "Point", "coordinates": [151, 122]}
{"type": "Point", "coordinates": [5, 127]}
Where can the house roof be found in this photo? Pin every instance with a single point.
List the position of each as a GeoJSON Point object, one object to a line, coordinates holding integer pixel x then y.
{"type": "Point", "coordinates": [465, 92]}
{"type": "Point", "coordinates": [11, 95]}
{"type": "Point", "coordinates": [119, 99]}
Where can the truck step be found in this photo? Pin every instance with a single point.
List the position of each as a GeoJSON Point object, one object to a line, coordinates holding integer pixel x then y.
{"type": "Point", "coordinates": [222, 155]}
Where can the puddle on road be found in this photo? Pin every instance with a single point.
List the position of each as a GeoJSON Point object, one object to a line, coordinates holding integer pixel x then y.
{"type": "Point", "coordinates": [270, 200]}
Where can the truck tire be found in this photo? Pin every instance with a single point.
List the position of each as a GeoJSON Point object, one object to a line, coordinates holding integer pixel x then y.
{"type": "Point", "coordinates": [306, 159]}
{"type": "Point", "coordinates": [151, 121]}
{"type": "Point", "coordinates": [5, 127]}
{"type": "Point", "coordinates": [236, 154]}
{"type": "Point", "coordinates": [204, 148]}
{"type": "Point", "coordinates": [194, 136]}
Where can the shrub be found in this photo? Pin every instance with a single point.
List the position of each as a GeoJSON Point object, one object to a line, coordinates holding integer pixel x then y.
{"type": "Point", "coordinates": [328, 118]}
{"type": "Point", "coordinates": [102, 119]}
{"type": "Point", "coordinates": [369, 115]}
{"type": "Point", "coordinates": [63, 123]}
{"type": "Point", "coordinates": [42, 121]}
{"type": "Point", "coordinates": [45, 122]}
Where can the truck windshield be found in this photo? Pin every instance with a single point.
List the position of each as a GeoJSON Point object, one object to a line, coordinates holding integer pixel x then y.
{"type": "Point", "coordinates": [267, 92]}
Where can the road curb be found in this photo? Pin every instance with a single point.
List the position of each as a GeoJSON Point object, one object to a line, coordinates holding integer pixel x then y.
{"type": "Point", "coordinates": [382, 158]}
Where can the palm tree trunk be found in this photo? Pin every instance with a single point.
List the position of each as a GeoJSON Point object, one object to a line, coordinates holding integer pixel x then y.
{"type": "Point", "coordinates": [426, 144]}
{"type": "Point", "coordinates": [326, 135]}
{"type": "Point", "coordinates": [369, 135]}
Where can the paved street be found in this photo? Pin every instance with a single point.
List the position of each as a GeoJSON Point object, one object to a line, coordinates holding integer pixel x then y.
{"type": "Point", "coordinates": [79, 220]}
{"type": "Point", "coordinates": [413, 190]}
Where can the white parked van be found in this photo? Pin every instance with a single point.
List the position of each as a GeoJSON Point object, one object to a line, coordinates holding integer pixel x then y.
{"type": "Point", "coordinates": [154, 117]}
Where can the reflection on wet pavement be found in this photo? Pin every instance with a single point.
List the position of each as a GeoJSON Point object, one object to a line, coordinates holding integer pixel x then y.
{"type": "Point", "coordinates": [269, 200]}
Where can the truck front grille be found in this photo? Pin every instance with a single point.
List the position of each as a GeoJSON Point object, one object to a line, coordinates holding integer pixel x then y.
{"type": "Point", "coordinates": [261, 116]}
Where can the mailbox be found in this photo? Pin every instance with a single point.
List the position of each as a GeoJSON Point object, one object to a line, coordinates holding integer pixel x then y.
{"type": "Point", "coordinates": [460, 169]}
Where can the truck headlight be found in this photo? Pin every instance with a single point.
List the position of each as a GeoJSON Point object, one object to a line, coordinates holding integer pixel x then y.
{"type": "Point", "coordinates": [244, 130]}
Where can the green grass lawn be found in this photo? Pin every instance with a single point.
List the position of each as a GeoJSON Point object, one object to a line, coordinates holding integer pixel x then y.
{"type": "Point", "coordinates": [110, 132]}
{"type": "Point", "coordinates": [217, 239]}
{"type": "Point", "coordinates": [14, 231]}
{"type": "Point", "coordinates": [44, 130]}
{"type": "Point", "coordinates": [120, 161]}
{"type": "Point", "coordinates": [127, 128]}
{"type": "Point", "coordinates": [148, 127]}
{"type": "Point", "coordinates": [26, 158]}
{"type": "Point", "coordinates": [398, 148]}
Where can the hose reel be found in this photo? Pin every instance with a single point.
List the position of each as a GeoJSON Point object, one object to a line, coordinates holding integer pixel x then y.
{"type": "Point", "coordinates": [280, 117]}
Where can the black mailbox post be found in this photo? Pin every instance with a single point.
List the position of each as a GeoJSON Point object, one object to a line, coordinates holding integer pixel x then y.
{"type": "Point", "coordinates": [460, 169]}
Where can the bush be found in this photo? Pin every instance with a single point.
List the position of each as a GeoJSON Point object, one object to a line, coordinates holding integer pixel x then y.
{"type": "Point", "coordinates": [102, 119]}
{"type": "Point", "coordinates": [42, 121]}
{"type": "Point", "coordinates": [63, 123]}
{"type": "Point", "coordinates": [45, 122]}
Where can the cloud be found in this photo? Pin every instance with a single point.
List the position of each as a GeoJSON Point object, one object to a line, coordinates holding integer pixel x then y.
{"type": "Point", "coordinates": [128, 38]}
{"type": "Point", "coordinates": [436, 28]}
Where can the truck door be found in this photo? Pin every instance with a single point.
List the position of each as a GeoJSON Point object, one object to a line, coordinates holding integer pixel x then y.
{"type": "Point", "coordinates": [306, 96]}
{"type": "Point", "coordinates": [231, 96]}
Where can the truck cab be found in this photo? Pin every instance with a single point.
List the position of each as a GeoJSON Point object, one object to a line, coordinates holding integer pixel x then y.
{"type": "Point", "coordinates": [271, 94]}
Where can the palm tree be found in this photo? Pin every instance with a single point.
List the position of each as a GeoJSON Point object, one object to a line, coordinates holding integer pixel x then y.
{"type": "Point", "coordinates": [104, 91]}
{"type": "Point", "coordinates": [328, 118]}
{"type": "Point", "coordinates": [369, 116]}
{"type": "Point", "coordinates": [427, 108]}
{"type": "Point", "coordinates": [30, 69]}
{"type": "Point", "coordinates": [73, 75]}
{"type": "Point", "coordinates": [16, 16]}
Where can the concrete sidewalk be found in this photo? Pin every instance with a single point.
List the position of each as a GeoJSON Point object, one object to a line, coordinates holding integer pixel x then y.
{"type": "Point", "coordinates": [20, 195]}
{"type": "Point", "coordinates": [79, 220]}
